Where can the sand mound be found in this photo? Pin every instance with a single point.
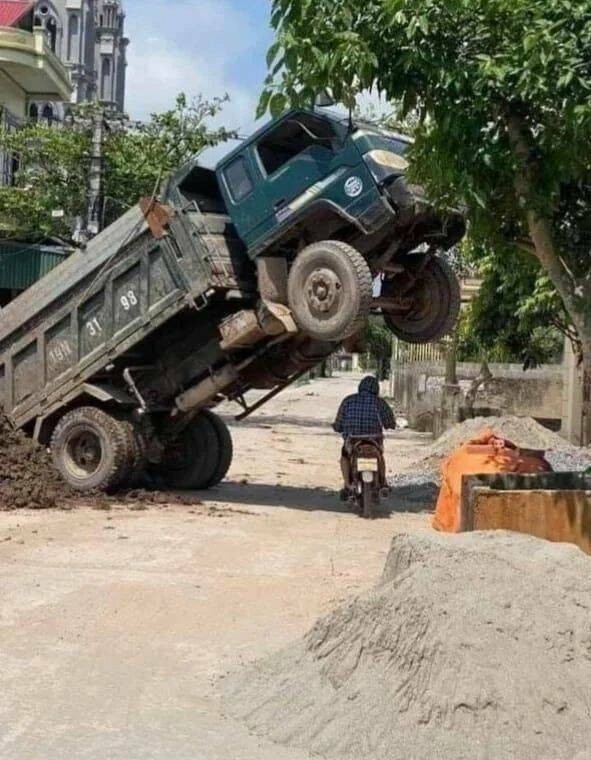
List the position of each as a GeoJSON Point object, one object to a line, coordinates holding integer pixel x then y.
{"type": "Point", "coordinates": [472, 647]}
{"type": "Point", "coordinates": [27, 477]}
{"type": "Point", "coordinates": [524, 432]}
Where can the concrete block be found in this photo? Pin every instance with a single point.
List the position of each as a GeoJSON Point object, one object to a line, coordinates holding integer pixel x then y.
{"type": "Point", "coordinates": [552, 507]}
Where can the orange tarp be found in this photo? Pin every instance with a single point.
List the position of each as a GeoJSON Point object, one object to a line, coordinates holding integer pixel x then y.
{"type": "Point", "coordinates": [487, 454]}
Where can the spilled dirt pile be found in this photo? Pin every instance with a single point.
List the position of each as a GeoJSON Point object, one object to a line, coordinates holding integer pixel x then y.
{"type": "Point", "coordinates": [471, 647]}
{"type": "Point", "coordinates": [27, 477]}
{"type": "Point", "coordinates": [28, 480]}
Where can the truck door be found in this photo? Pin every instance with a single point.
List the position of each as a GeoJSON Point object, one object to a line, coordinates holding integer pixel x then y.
{"type": "Point", "coordinates": [273, 176]}
{"type": "Point", "coordinates": [243, 188]}
{"type": "Point", "coordinates": [298, 153]}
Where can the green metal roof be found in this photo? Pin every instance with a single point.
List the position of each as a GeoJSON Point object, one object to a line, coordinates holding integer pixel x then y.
{"type": "Point", "coordinates": [22, 264]}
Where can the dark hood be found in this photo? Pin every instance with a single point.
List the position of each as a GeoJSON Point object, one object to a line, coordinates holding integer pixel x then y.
{"type": "Point", "coordinates": [369, 385]}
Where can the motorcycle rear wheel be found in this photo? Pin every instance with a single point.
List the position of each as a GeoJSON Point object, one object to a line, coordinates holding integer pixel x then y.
{"type": "Point", "coordinates": [366, 501]}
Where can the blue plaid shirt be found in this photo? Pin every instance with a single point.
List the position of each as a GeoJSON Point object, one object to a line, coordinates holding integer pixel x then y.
{"type": "Point", "coordinates": [365, 413]}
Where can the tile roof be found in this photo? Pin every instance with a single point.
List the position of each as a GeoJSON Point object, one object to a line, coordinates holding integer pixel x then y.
{"type": "Point", "coordinates": [12, 11]}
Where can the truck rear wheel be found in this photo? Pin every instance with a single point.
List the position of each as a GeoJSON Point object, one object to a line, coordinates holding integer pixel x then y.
{"type": "Point", "coordinates": [90, 449]}
{"type": "Point", "coordinates": [136, 452]}
{"type": "Point", "coordinates": [330, 290]}
{"type": "Point", "coordinates": [433, 301]}
{"type": "Point", "coordinates": [226, 448]}
{"type": "Point", "coordinates": [192, 457]}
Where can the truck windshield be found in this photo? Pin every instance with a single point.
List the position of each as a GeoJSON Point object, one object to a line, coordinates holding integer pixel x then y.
{"type": "Point", "coordinates": [293, 137]}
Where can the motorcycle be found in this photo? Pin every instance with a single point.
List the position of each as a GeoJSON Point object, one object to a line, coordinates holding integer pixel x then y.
{"type": "Point", "coordinates": [368, 470]}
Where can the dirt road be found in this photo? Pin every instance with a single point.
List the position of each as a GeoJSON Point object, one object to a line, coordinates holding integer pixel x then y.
{"type": "Point", "coordinates": [115, 625]}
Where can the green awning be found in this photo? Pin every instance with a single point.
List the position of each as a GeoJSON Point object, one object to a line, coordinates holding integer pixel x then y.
{"type": "Point", "coordinates": [22, 264]}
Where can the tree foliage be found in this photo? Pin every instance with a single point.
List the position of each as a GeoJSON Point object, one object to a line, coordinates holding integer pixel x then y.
{"type": "Point", "coordinates": [52, 179]}
{"type": "Point", "coordinates": [138, 159]}
{"type": "Point", "coordinates": [517, 316]}
{"type": "Point", "coordinates": [483, 76]}
{"type": "Point", "coordinates": [376, 341]}
{"type": "Point", "coordinates": [503, 90]}
{"type": "Point", "coordinates": [55, 161]}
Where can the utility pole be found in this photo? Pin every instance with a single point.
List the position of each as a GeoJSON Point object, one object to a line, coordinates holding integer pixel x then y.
{"type": "Point", "coordinates": [96, 177]}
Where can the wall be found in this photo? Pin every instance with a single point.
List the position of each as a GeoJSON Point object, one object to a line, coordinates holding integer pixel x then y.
{"type": "Point", "coordinates": [12, 97]}
{"type": "Point", "coordinates": [555, 507]}
{"type": "Point", "coordinates": [417, 390]}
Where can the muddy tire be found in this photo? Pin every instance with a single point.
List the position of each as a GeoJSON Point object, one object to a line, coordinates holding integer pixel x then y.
{"type": "Point", "coordinates": [437, 302]}
{"type": "Point", "coordinates": [226, 448]}
{"type": "Point", "coordinates": [90, 449]}
{"type": "Point", "coordinates": [330, 291]}
{"type": "Point", "coordinates": [191, 460]}
{"type": "Point", "coordinates": [366, 502]}
{"type": "Point", "coordinates": [136, 452]}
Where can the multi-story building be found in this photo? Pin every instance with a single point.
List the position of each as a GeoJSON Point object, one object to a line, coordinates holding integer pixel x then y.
{"type": "Point", "coordinates": [29, 71]}
{"type": "Point", "coordinates": [89, 38]}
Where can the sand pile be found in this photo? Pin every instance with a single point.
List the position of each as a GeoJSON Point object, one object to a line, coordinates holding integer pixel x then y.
{"type": "Point", "coordinates": [472, 647]}
{"type": "Point", "coordinates": [27, 477]}
{"type": "Point", "coordinates": [524, 432]}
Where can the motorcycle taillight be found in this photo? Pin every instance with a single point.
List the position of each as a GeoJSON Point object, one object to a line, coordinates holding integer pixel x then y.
{"type": "Point", "coordinates": [367, 451]}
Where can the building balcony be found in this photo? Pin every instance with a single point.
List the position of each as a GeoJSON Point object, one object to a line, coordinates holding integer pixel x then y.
{"type": "Point", "coordinates": [28, 66]}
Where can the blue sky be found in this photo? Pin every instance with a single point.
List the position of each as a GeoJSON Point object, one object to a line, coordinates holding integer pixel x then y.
{"type": "Point", "coordinates": [210, 47]}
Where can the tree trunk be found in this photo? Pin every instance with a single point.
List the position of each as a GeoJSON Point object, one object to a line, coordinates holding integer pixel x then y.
{"type": "Point", "coordinates": [586, 427]}
{"type": "Point", "coordinates": [451, 360]}
{"type": "Point", "coordinates": [576, 295]}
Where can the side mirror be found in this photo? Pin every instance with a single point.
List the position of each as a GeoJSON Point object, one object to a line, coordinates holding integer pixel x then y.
{"type": "Point", "coordinates": [324, 100]}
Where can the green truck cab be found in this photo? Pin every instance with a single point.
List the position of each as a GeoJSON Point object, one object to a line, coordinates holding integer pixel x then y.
{"type": "Point", "coordinates": [329, 197]}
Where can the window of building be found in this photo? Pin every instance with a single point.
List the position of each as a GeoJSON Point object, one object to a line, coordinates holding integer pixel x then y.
{"type": "Point", "coordinates": [51, 28]}
{"type": "Point", "coordinates": [106, 79]}
{"type": "Point", "coordinates": [73, 30]}
{"type": "Point", "coordinates": [238, 179]}
{"type": "Point", "coordinates": [292, 138]}
{"type": "Point", "coordinates": [47, 114]}
{"type": "Point", "coordinates": [15, 165]}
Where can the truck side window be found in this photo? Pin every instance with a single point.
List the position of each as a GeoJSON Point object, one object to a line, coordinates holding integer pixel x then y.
{"type": "Point", "coordinates": [293, 137]}
{"type": "Point", "coordinates": [238, 178]}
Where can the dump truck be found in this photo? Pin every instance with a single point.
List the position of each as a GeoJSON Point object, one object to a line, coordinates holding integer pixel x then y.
{"type": "Point", "coordinates": [239, 278]}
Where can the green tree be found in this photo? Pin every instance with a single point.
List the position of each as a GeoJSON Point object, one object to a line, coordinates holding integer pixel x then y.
{"type": "Point", "coordinates": [50, 187]}
{"type": "Point", "coordinates": [376, 340]}
{"type": "Point", "coordinates": [503, 91]}
{"type": "Point", "coordinates": [50, 190]}
{"type": "Point", "coordinates": [517, 315]}
{"type": "Point", "coordinates": [137, 159]}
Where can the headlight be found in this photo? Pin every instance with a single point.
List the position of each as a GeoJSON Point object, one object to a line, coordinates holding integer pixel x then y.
{"type": "Point", "coordinates": [383, 164]}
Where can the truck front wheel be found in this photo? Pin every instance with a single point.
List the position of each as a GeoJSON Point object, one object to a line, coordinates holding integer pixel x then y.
{"type": "Point", "coordinates": [330, 290]}
{"type": "Point", "coordinates": [90, 449]}
{"type": "Point", "coordinates": [429, 300]}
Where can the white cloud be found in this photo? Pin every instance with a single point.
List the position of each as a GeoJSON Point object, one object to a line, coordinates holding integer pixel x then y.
{"type": "Point", "coordinates": [184, 46]}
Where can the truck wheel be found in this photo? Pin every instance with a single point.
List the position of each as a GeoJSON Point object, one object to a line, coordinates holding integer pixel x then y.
{"type": "Point", "coordinates": [191, 459]}
{"type": "Point", "coordinates": [330, 290]}
{"type": "Point", "coordinates": [136, 452]}
{"type": "Point", "coordinates": [434, 302]}
{"type": "Point", "coordinates": [226, 448]}
{"type": "Point", "coordinates": [90, 449]}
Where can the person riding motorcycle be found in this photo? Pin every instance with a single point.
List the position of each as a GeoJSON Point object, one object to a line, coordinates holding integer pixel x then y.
{"type": "Point", "coordinates": [363, 415]}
